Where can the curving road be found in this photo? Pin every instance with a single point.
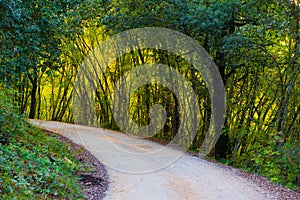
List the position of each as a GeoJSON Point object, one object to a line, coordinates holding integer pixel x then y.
{"type": "Point", "coordinates": [142, 170]}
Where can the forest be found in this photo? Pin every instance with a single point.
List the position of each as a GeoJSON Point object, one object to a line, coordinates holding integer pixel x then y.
{"type": "Point", "coordinates": [254, 43]}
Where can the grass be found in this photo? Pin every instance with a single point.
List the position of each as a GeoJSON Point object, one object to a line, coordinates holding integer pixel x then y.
{"type": "Point", "coordinates": [33, 165]}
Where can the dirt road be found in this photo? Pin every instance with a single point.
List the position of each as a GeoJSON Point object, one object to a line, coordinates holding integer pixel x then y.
{"type": "Point", "coordinates": [143, 170]}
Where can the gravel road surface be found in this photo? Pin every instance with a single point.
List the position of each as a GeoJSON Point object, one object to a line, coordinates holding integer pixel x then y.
{"type": "Point", "coordinates": [139, 169]}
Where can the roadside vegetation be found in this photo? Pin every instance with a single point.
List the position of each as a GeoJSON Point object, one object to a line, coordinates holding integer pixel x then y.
{"type": "Point", "coordinates": [33, 165]}
{"type": "Point", "coordinates": [255, 44]}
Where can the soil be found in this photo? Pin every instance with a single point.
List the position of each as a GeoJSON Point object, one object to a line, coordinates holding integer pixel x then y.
{"type": "Point", "coordinates": [95, 181]}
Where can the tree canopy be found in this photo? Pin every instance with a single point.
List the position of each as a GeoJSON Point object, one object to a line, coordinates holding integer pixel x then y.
{"type": "Point", "coordinates": [255, 45]}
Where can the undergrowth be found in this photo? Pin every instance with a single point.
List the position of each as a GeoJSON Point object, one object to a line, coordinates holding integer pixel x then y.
{"type": "Point", "coordinates": [33, 165]}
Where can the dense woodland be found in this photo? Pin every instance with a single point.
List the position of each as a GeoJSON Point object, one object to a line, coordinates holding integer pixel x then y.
{"type": "Point", "coordinates": [255, 45]}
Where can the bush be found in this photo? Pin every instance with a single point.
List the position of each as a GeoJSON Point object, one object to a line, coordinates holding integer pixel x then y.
{"type": "Point", "coordinates": [32, 164]}
{"type": "Point", "coordinates": [280, 166]}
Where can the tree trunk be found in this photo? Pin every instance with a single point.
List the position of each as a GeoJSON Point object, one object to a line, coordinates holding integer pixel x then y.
{"type": "Point", "coordinates": [33, 97]}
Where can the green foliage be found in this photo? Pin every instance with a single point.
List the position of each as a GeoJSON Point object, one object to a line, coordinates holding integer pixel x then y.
{"type": "Point", "coordinates": [255, 44]}
{"type": "Point", "coordinates": [32, 164]}
{"type": "Point", "coordinates": [281, 167]}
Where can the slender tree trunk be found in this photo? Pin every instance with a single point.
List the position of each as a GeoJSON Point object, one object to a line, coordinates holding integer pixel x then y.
{"type": "Point", "coordinates": [33, 97]}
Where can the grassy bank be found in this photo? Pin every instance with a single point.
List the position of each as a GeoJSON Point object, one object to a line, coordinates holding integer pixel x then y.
{"type": "Point", "coordinates": [33, 165]}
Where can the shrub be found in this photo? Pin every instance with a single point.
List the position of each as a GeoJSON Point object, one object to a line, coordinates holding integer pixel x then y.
{"type": "Point", "coordinates": [32, 164]}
